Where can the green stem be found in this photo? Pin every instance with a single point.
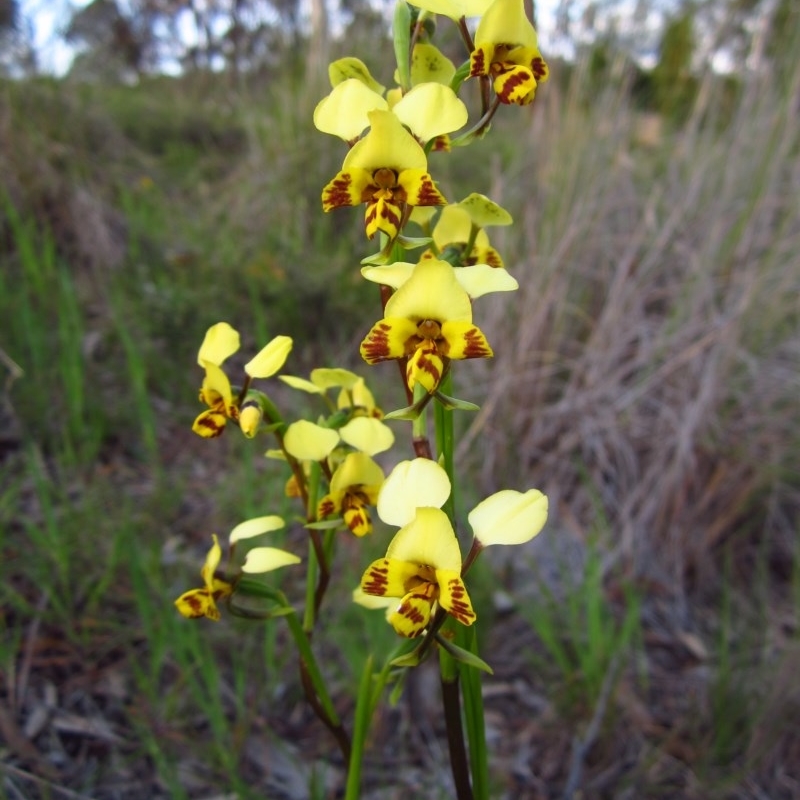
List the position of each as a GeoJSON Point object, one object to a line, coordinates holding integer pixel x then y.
{"type": "Point", "coordinates": [473, 714]}
{"type": "Point", "coordinates": [465, 637]}
{"type": "Point", "coordinates": [363, 715]}
{"type": "Point", "coordinates": [451, 702]}
{"type": "Point", "coordinates": [314, 683]}
{"type": "Point", "coordinates": [445, 444]}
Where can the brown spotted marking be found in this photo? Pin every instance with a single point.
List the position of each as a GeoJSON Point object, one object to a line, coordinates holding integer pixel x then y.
{"type": "Point", "coordinates": [375, 347]}
{"type": "Point", "coordinates": [476, 345]}
{"type": "Point", "coordinates": [510, 84]}
{"type": "Point", "coordinates": [540, 69]}
{"type": "Point", "coordinates": [428, 194]}
{"type": "Point", "coordinates": [460, 609]}
{"type": "Point", "coordinates": [376, 579]}
{"type": "Point", "coordinates": [477, 64]}
{"type": "Point", "coordinates": [336, 193]}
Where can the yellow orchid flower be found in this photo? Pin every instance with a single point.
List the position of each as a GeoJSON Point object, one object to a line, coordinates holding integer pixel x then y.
{"type": "Point", "coordinates": [202, 602]}
{"type": "Point", "coordinates": [360, 400]}
{"type": "Point", "coordinates": [387, 170]}
{"type": "Point", "coordinates": [462, 223]}
{"type": "Point", "coordinates": [354, 486]}
{"type": "Point", "coordinates": [429, 321]}
{"type": "Point", "coordinates": [422, 568]}
{"type": "Point", "coordinates": [220, 342]}
{"type": "Point", "coordinates": [507, 49]}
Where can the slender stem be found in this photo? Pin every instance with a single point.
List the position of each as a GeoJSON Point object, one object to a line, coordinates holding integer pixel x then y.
{"type": "Point", "coordinates": [473, 714]}
{"type": "Point", "coordinates": [314, 684]}
{"type": "Point", "coordinates": [363, 715]}
{"type": "Point", "coordinates": [451, 702]}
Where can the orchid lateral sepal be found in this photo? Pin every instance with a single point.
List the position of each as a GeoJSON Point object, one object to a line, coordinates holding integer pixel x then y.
{"type": "Point", "coordinates": [453, 403]}
{"type": "Point", "coordinates": [412, 659]}
{"type": "Point", "coordinates": [461, 74]}
{"type": "Point", "coordinates": [325, 524]}
{"type": "Point", "coordinates": [462, 655]}
{"type": "Point", "coordinates": [411, 412]}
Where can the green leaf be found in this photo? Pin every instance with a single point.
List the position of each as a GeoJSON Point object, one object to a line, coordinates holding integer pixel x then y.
{"type": "Point", "coordinates": [464, 656]}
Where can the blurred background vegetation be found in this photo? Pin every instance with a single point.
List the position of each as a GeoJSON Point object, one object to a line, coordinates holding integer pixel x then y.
{"type": "Point", "coordinates": [646, 377]}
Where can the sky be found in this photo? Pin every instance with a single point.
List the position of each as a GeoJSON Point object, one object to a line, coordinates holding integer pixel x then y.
{"type": "Point", "coordinates": [47, 17]}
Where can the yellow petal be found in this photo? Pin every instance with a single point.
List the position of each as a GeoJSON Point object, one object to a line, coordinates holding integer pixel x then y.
{"type": "Point", "coordinates": [453, 596]}
{"type": "Point", "coordinates": [309, 442]}
{"type": "Point", "coordinates": [412, 485]}
{"type": "Point", "coordinates": [388, 339]}
{"type": "Point", "coordinates": [267, 559]}
{"type": "Point", "coordinates": [197, 603]}
{"type": "Point", "coordinates": [343, 112]}
{"type": "Point", "coordinates": [515, 84]}
{"type": "Point", "coordinates": [301, 383]}
{"type": "Point", "coordinates": [209, 424]}
{"type": "Point", "coordinates": [388, 577]}
{"type": "Point", "coordinates": [509, 517]}
{"type": "Point", "coordinates": [213, 558]}
{"type": "Point", "coordinates": [346, 68]}
{"type": "Point", "coordinates": [367, 434]}
{"type": "Point", "coordinates": [505, 23]}
{"type": "Point", "coordinates": [346, 189]}
{"type": "Point", "coordinates": [357, 469]}
{"type": "Point", "coordinates": [483, 211]}
{"type": "Point", "coordinates": [358, 520]}
{"type": "Point", "coordinates": [425, 366]}
{"type": "Point", "coordinates": [394, 275]}
{"type": "Point", "coordinates": [387, 145]}
{"type": "Point", "coordinates": [255, 527]}
{"type": "Point", "coordinates": [430, 110]}
{"type": "Point", "coordinates": [220, 342]}
{"type": "Point", "coordinates": [330, 377]}
{"type": "Point", "coordinates": [270, 359]}
{"type": "Point", "coordinates": [455, 9]}
{"type": "Point", "coordinates": [216, 381]}
{"type": "Point", "coordinates": [421, 215]}
{"type": "Point", "coordinates": [412, 615]}
{"type": "Point", "coordinates": [453, 227]}
{"type": "Point", "coordinates": [428, 539]}
{"type": "Point", "coordinates": [382, 215]}
{"type": "Point", "coordinates": [358, 396]}
{"type": "Point", "coordinates": [465, 340]}
{"type": "Point", "coordinates": [481, 279]}
{"type": "Point", "coordinates": [429, 64]}
{"type": "Point", "coordinates": [371, 601]}
{"type": "Point", "coordinates": [420, 188]}
{"type": "Point", "coordinates": [432, 292]}
{"type": "Point", "coordinates": [250, 417]}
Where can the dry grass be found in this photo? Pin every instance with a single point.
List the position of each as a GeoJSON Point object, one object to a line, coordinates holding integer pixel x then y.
{"type": "Point", "coordinates": [652, 363]}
